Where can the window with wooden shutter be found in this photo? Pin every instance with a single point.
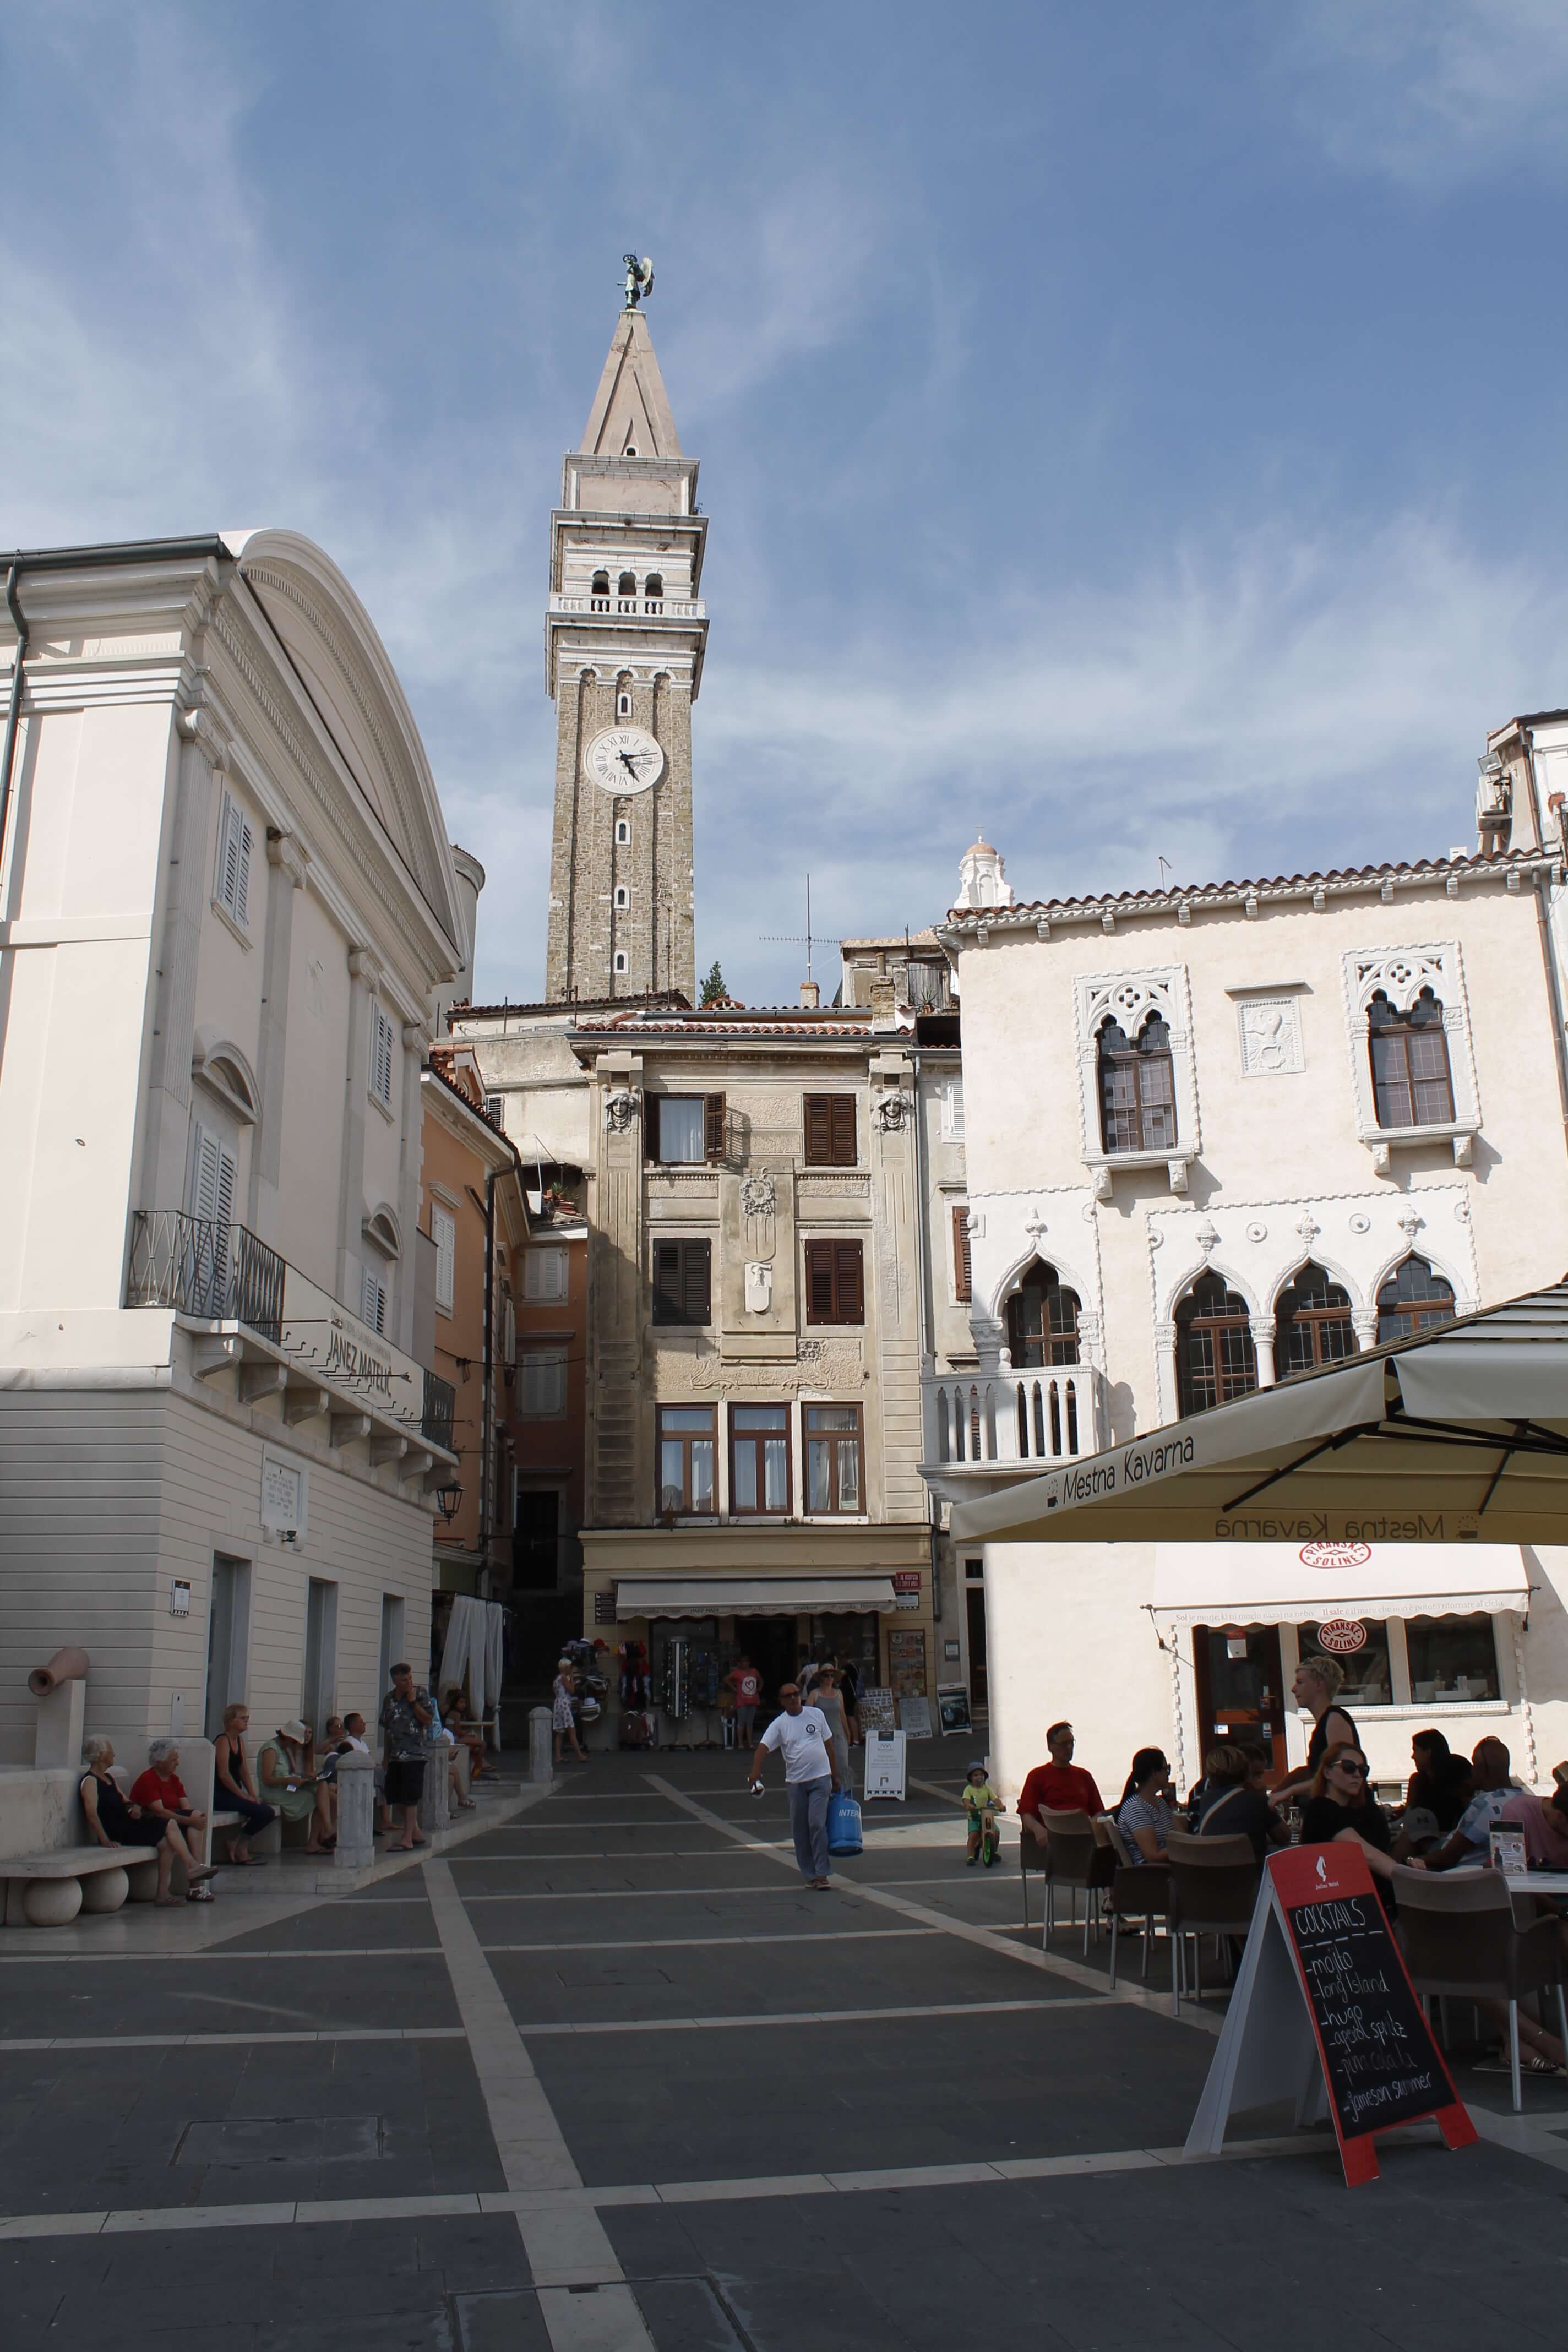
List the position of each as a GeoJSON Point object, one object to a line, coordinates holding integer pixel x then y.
{"type": "Point", "coordinates": [542, 1379]}
{"type": "Point", "coordinates": [678, 1127]}
{"type": "Point", "coordinates": [444, 1233]}
{"type": "Point", "coordinates": [830, 1132]}
{"type": "Point", "coordinates": [214, 1177]}
{"type": "Point", "coordinates": [963, 1282]}
{"type": "Point", "coordinates": [235, 840]}
{"type": "Point", "coordinates": [545, 1272]}
{"type": "Point", "coordinates": [713, 1127]}
{"type": "Point", "coordinates": [682, 1282]}
{"type": "Point", "coordinates": [835, 1284]}
{"type": "Point", "coordinates": [372, 1301]}
{"type": "Point", "coordinates": [379, 1056]}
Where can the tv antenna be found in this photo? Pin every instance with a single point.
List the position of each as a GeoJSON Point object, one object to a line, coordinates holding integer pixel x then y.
{"type": "Point", "coordinates": [1164, 862]}
{"type": "Point", "coordinates": [795, 939]}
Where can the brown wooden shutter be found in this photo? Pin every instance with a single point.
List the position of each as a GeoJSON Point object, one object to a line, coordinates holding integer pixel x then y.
{"type": "Point", "coordinates": [850, 1302]}
{"type": "Point", "coordinates": [713, 1127]}
{"type": "Point", "coordinates": [843, 1122]}
{"type": "Point", "coordinates": [650, 1127]}
{"type": "Point", "coordinates": [666, 1281]}
{"type": "Point", "coordinates": [695, 1285]}
{"type": "Point", "coordinates": [819, 1282]}
{"type": "Point", "coordinates": [962, 1281]}
{"type": "Point", "coordinates": [818, 1131]}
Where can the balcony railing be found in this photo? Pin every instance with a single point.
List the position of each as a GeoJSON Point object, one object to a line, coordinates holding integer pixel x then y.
{"type": "Point", "coordinates": [671, 608]}
{"type": "Point", "coordinates": [981, 1420]}
{"type": "Point", "coordinates": [200, 1266]}
{"type": "Point", "coordinates": [440, 1408]}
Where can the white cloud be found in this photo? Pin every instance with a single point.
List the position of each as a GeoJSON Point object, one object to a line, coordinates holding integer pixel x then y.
{"type": "Point", "coordinates": [1432, 93]}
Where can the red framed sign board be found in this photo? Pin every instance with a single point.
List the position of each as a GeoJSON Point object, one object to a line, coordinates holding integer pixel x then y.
{"type": "Point", "coordinates": [1324, 2012]}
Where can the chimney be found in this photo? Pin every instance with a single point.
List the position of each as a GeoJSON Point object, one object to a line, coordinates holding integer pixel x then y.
{"type": "Point", "coordinates": [810, 995]}
{"type": "Point", "coordinates": [884, 1001]}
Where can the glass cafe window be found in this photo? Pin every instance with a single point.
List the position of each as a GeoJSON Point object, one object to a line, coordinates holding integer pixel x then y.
{"type": "Point", "coordinates": [1452, 1657]}
{"type": "Point", "coordinates": [1367, 1682]}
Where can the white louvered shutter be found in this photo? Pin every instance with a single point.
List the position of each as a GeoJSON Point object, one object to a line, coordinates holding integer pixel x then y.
{"type": "Point", "coordinates": [243, 838]}
{"type": "Point", "coordinates": [444, 1233]}
{"type": "Point", "coordinates": [372, 1302]}
{"type": "Point", "coordinates": [379, 1056]}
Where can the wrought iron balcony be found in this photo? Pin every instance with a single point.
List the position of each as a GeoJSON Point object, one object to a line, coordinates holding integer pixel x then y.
{"type": "Point", "coordinates": [440, 1409]}
{"type": "Point", "coordinates": [200, 1266]}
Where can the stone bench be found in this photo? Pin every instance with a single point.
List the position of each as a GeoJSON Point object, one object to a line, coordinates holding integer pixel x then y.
{"type": "Point", "coordinates": [47, 1890]}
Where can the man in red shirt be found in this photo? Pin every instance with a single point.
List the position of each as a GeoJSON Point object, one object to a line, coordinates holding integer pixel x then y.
{"type": "Point", "coordinates": [1059, 1787]}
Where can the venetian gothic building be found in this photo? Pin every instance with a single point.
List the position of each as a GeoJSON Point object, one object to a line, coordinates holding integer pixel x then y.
{"type": "Point", "coordinates": [624, 643]}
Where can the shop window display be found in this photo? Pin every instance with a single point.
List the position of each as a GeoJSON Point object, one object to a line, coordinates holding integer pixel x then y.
{"type": "Point", "coordinates": [1368, 1682]}
{"type": "Point", "coordinates": [1452, 1658]}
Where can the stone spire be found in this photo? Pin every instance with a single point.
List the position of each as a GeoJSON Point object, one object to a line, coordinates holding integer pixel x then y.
{"type": "Point", "coordinates": [982, 877]}
{"type": "Point", "coordinates": [631, 417]}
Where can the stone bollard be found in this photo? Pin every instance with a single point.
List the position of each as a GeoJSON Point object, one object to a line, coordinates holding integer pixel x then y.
{"type": "Point", "coordinates": [540, 1764]}
{"type": "Point", "coordinates": [436, 1804]}
{"type": "Point", "coordinates": [355, 1848]}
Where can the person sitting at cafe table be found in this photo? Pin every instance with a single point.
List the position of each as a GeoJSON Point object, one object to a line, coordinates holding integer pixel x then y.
{"type": "Point", "coordinates": [1469, 1847]}
{"type": "Point", "coordinates": [1059, 1787]}
{"type": "Point", "coordinates": [1229, 1806]}
{"type": "Point", "coordinates": [1145, 1818]}
{"type": "Point", "coordinates": [1440, 1788]}
{"type": "Point", "coordinates": [1341, 1810]}
{"type": "Point", "coordinates": [1316, 1686]}
{"type": "Point", "coordinates": [1544, 1820]}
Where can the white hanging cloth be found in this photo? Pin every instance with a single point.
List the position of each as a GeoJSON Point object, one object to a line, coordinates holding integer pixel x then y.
{"type": "Point", "coordinates": [465, 1650]}
{"type": "Point", "coordinates": [495, 1655]}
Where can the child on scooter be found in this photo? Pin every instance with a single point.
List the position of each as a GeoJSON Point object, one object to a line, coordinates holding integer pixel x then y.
{"type": "Point", "coordinates": [982, 1805]}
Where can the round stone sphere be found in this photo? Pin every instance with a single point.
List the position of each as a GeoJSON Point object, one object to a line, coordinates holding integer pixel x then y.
{"type": "Point", "coordinates": [51, 1902]}
{"type": "Point", "coordinates": [106, 1890]}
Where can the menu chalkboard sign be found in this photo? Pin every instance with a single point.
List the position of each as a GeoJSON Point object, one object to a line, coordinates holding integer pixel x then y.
{"type": "Point", "coordinates": [1321, 1973]}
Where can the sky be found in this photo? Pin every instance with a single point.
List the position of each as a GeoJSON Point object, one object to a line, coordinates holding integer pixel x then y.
{"type": "Point", "coordinates": [1135, 432]}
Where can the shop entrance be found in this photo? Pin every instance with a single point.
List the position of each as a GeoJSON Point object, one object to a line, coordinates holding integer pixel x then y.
{"type": "Point", "coordinates": [769, 1644]}
{"type": "Point", "coordinates": [1239, 1687]}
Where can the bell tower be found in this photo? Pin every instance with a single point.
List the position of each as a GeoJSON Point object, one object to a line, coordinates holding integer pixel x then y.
{"type": "Point", "coordinates": [623, 640]}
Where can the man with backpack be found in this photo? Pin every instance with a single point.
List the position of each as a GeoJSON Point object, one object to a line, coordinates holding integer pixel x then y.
{"type": "Point", "coordinates": [810, 1778]}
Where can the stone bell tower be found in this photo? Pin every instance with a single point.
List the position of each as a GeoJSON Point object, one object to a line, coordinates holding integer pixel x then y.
{"type": "Point", "coordinates": [623, 640]}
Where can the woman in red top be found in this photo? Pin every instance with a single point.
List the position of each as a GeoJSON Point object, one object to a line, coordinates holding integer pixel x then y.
{"type": "Point", "coordinates": [161, 1792]}
{"type": "Point", "coordinates": [746, 1684]}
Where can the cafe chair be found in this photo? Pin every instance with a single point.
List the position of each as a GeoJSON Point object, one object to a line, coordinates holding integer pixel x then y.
{"type": "Point", "coordinates": [1214, 1892]}
{"type": "Point", "coordinates": [1074, 1859]}
{"type": "Point", "coordinates": [1139, 1890]}
{"type": "Point", "coordinates": [1033, 1861]}
{"type": "Point", "coordinates": [1461, 1938]}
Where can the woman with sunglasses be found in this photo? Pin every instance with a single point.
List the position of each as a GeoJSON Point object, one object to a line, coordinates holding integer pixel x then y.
{"type": "Point", "coordinates": [1342, 1810]}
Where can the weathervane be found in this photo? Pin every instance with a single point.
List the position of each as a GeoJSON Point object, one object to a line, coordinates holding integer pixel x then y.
{"type": "Point", "coordinates": [640, 278]}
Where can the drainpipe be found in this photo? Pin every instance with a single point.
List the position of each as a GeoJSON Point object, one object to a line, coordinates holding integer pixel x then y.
{"type": "Point", "coordinates": [490, 1375]}
{"type": "Point", "coordinates": [922, 1210]}
{"type": "Point", "coordinates": [14, 709]}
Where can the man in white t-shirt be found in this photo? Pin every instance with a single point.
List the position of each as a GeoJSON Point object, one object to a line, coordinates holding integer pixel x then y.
{"type": "Point", "coordinates": [806, 1741]}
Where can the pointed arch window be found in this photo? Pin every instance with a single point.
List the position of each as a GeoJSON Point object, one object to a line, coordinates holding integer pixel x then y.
{"type": "Point", "coordinates": [1215, 1359]}
{"type": "Point", "coordinates": [1312, 1324]}
{"type": "Point", "coordinates": [1136, 1087]}
{"type": "Point", "coordinates": [1414, 1298]}
{"type": "Point", "coordinates": [1042, 1320]}
{"type": "Point", "coordinates": [1412, 1082]}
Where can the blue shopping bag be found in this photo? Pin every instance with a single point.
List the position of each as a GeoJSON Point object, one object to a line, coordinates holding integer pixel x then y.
{"type": "Point", "coordinates": [843, 1824]}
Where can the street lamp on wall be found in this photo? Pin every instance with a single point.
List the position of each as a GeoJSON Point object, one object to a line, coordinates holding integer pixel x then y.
{"type": "Point", "coordinates": [447, 1500]}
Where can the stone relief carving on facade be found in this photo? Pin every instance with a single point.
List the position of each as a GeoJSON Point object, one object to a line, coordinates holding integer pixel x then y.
{"type": "Point", "coordinates": [893, 1113]}
{"type": "Point", "coordinates": [1270, 1030]}
{"type": "Point", "coordinates": [825, 1367]}
{"type": "Point", "coordinates": [758, 1197]}
{"type": "Point", "coordinates": [621, 1110]}
{"type": "Point", "coordinates": [759, 1286]}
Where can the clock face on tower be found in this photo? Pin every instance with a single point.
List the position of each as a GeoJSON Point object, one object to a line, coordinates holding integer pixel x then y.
{"type": "Point", "coordinates": [625, 759]}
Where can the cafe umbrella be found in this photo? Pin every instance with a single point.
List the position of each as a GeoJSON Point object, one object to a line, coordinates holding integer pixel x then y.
{"type": "Point", "coordinates": [1457, 1434]}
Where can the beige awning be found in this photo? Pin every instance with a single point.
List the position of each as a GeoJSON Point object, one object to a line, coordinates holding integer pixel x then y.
{"type": "Point", "coordinates": [751, 1596]}
{"type": "Point", "coordinates": [1300, 1584]}
{"type": "Point", "coordinates": [1452, 1434]}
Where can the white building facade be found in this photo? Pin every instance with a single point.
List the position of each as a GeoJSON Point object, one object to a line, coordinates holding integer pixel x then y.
{"type": "Point", "coordinates": [1218, 1135]}
{"type": "Point", "coordinates": [226, 905]}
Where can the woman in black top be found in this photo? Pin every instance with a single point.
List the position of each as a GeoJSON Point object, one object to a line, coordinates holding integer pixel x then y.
{"type": "Point", "coordinates": [112, 1820]}
{"type": "Point", "coordinates": [1229, 1806]}
{"type": "Point", "coordinates": [1341, 1810]}
{"type": "Point", "coordinates": [1317, 1688]}
{"type": "Point", "coordinates": [1442, 1783]}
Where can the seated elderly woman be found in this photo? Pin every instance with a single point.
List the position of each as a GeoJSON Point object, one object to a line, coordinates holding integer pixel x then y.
{"type": "Point", "coordinates": [466, 1733]}
{"type": "Point", "coordinates": [113, 1820]}
{"type": "Point", "coordinates": [288, 1781]}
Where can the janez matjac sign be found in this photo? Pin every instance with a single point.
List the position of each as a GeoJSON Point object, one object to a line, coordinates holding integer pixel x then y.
{"type": "Point", "coordinates": [1322, 1978]}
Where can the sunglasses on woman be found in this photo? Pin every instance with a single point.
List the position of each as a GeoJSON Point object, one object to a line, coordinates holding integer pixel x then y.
{"type": "Point", "coordinates": [1356, 1771]}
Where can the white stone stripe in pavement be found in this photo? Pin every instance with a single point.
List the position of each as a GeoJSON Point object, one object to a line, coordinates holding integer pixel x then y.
{"type": "Point", "coordinates": [530, 2205]}
{"type": "Point", "coordinates": [812, 2016]}
{"type": "Point", "coordinates": [565, 2242]}
{"type": "Point", "coordinates": [707, 1943]}
{"type": "Point", "coordinates": [240, 2041]}
{"type": "Point", "coordinates": [220, 1952]}
{"type": "Point", "coordinates": [729, 1894]}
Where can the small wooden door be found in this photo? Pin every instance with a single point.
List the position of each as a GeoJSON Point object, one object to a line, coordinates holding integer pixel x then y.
{"type": "Point", "coordinates": [975, 1600]}
{"type": "Point", "coordinates": [1240, 1689]}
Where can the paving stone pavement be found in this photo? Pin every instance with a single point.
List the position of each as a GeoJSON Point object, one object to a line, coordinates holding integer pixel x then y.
{"type": "Point", "coordinates": [606, 2076]}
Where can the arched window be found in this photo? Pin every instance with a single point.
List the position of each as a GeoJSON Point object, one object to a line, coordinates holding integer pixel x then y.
{"type": "Point", "coordinates": [653, 586]}
{"type": "Point", "coordinates": [1312, 1324]}
{"type": "Point", "coordinates": [1412, 1298]}
{"type": "Point", "coordinates": [600, 584]}
{"type": "Point", "coordinates": [1137, 1088]}
{"type": "Point", "coordinates": [623, 895]}
{"type": "Point", "coordinates": [1042, 1320]}
{"type": "Point", "coordinates": [620, 961]}
{"type": "Point", "coordinates": [1215, 1359]}
{"type": "Point", "coordinates": [628, 584]}
{"type": "Point", "coordinates": [1411, 1081]}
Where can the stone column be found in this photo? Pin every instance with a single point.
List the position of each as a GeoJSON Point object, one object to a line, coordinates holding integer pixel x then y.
{"type": "Point", "coordinates": [355, 1848]}
{"type": "Point", "coordinates": [287, 863]}
{"type": "Point", "coordinates": [1263, 1349]}
{"type": "Point", "coordinates": [436, 1804]}
{"type": "Point", "coordinates": [365, 973]}
{"type": "Point", "coordinates": [410, 1153]}
{"type": "Point", "coordinates": [160, 1180]}
{"type": "Point", "coordinates": [541, 1745]}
